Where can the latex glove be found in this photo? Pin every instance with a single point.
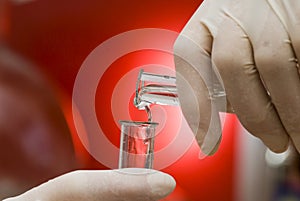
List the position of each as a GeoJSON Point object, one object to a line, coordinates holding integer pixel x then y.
{"type": "Point", "coordinates": [253, 45]}
{"type": "Point", "coordinates": [107, 185]}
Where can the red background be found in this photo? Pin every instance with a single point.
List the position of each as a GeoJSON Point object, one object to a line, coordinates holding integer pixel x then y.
{"type": "Point", "coordinates": [58, 36]}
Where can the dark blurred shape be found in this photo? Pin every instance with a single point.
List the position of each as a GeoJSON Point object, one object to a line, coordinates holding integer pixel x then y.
{"type": "Point", "coordinates": [288, 187]}
{"type": "Point", "coordinates": [35, 143]}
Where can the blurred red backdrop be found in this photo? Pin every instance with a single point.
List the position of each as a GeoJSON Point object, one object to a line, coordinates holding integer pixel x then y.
{"type": "Point", "coordinates": [59, 35]}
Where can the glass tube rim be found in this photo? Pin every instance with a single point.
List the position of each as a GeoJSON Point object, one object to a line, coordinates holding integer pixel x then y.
{"type": "Point", "coordinates": [138, 123]}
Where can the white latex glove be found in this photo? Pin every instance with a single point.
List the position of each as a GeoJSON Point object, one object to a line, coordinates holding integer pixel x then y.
{"type": "Point", "coordinates": [253, 45]}
{"type": "Point", "coordinates": [106, 185]}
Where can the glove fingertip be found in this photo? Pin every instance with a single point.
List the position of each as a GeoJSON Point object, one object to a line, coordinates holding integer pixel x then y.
{"type": "Point", "coordinates": [161, 184]}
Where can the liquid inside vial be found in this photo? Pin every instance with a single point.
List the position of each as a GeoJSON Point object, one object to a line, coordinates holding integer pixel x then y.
{"type": "Point", "coordinates": [137, 144]}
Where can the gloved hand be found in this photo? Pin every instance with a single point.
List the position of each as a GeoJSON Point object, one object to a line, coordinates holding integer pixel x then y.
{"type": "Point", "coordinates": [108, 185]}
{"type": "Point", "coordinates": [251, 47]}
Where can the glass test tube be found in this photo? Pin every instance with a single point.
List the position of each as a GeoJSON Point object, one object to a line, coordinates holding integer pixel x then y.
{"type": "Point", "coordinates": [137, 144]}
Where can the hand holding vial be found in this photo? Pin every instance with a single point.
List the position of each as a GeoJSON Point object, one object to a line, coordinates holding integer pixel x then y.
{"type": "Point", "coordinates": [106, 185]}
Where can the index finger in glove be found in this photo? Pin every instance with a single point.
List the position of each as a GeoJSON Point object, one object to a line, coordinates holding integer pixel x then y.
{"type": "Point", "coordinates": [197, 82]}
{"type": "Point", "coordinates": [107, 185]}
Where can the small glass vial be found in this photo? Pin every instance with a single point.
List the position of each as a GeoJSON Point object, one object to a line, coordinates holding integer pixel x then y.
{"type": "Point", "coordinates": [137, 144]}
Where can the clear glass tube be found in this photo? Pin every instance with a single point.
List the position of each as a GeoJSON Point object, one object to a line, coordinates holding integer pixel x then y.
{"type": "Point", "coordinates": [155, 89]}
{"type": "Point", "coordinates": [137, 144]}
